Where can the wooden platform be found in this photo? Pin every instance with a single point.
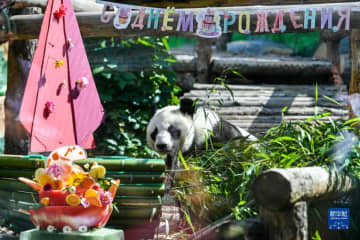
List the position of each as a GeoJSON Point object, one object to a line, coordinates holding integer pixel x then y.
{"type": "Point", "coordinates": [257, 108]}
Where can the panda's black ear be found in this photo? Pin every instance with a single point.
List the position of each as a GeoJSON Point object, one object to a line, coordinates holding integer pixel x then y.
{"type": "Point", "coordinates": [187, 106]}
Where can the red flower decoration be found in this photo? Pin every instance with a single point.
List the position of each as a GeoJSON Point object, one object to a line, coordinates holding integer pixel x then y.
{"type": "Point", "coordinates": [61, 12]}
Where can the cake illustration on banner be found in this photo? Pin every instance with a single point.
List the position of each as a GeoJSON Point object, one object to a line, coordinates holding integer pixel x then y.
{"type": "Point", "coordinates": [71, 198]}
{"type": "Point", "coordinates": [122, 18]}
{"type": "Point", "coordinates": [208, 24]}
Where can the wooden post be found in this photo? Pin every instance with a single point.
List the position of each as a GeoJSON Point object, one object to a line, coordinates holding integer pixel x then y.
{"type": "Point", "coordinates": [354, 56]}
{"type": "Point", "coordinates": [291, 224]}
{"type": "Point", "coordinates": [19, 62]}
{"type": "Point", "coordinates": [203, 60]}
{"type": "Point", "coordinates": [221, 43]}
{"type": "Point", "coordinates": [332, 40]}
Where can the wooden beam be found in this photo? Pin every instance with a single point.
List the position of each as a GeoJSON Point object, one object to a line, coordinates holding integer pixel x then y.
{"type": "Point", "coordinates": [28, 26]}
{"type": "Point", "coordinates": [217, 3]}
{"type": "Point", "coordinates": [79, 5]}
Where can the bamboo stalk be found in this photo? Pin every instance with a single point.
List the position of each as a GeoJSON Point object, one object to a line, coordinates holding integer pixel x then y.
{"type": "Point", "coordinates": [127, 164]}
{"type": "Point", "coordinates": [15, 173]}
{"type": "Point", "coordinates": [125, 177]}
{"type": "Point", "coordinates": [21, 162]}
{"type": "Point", "coordinates": [135, 212]}
{"type": "Point", "coordinates": [29, 197]}
{"type": "Point", "coordinates": [137, 201]}
{"type": "Point", "coordinates": [14, 185]}
{"type": "Point", "coordinates": [141, 190]}
{"type": "Point", "coordinates": [124, 189]}
{"type": "Point", "coordinates": [129, 223]}
{"type": "Point", "coordinates": [136, 177]}
{"type": "Point", "coordinates": [110, 163]}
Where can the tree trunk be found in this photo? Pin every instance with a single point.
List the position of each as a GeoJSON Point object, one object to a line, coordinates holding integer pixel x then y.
{"type": "Point", "coordinates": [19, 62]}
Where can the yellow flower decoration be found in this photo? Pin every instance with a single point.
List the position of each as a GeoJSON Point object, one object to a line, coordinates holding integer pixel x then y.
{"type": "Point", "coordinates": [97, 171]}
{"type": "Point", "coordinates": [59, 63]}
{"type": "Point", "coordinates": [77, 177]}
{"type": "Point", "coordinates": [45, 179]}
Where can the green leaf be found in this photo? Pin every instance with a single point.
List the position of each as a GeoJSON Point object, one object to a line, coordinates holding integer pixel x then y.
{"type": "Point", "coordinates": [331, 100]}
{"type": "Point", "coordinates": [317, 236]}
{"type": "Point", "coordinates": [351, 122]}
{"type": "Point", "coordinates": [181, 157]}
{"type": "Point", "coordinates": [165, 42]}
{"type": "Point", "coordinates": [98, 70]}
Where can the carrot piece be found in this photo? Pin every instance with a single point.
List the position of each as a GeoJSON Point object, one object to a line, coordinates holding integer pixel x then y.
{"type": "Point", "coordinates": [30, 183]}
{"type": "Point", "coordinates": [113, 188]}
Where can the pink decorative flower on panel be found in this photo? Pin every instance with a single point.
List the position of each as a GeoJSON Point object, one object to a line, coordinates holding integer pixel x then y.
{"type": "Point", "coordinates": [60, 12]}
{"type": "Point", "coordinates": [50, 106]}
{"type": "Point", "coordinates": [82, 83]}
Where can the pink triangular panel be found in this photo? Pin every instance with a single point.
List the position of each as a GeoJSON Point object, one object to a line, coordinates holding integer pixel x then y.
{"type": "Point", "coordinates": [26, 114]}
{"type": "Point", "coordinates": [56, 129]}
{"type": "Point", "coordinates": [88, 111]}
{"type": "Point", "coordinates": [77, 111]}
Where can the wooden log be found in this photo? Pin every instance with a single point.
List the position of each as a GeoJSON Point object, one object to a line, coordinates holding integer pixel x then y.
{"type": "Point", "coordinates": [332, 41]}
{"type": "Point", "coordinates": [216, 3]}
{"type": "Point", "coordinates": [28, 27]}
{"type": "Point", "coordinates": [354, 86]}
{"type": "Point", "coordinates": [19, 61]}
{"type": "Point", "coordinates": [203, 60]}
{"type": "Point", "coordinates": [278, 189]}
{"type": "Point", "coordinates": [286, 225]}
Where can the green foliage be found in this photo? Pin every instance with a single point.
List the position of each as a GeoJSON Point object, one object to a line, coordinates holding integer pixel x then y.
{"type": "Point", "coordinates": [225, 174]}
{"type": "Point", "coordinates": [316, 236]}
{"type": "Point", "coordinates": [130, 76]}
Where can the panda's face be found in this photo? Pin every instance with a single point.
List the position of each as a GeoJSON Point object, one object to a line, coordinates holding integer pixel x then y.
{"type": "Point", "coordinates": [168, 130]}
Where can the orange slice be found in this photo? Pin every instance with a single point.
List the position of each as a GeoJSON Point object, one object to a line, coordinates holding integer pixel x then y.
{"type": "Point", "coordinates": [45, 201]}
{"type": "Point", "coordinates": [91, 193]}
{"type": "Point", "coordinates": [94, 201]}
{"type": "Point", "coordinates": [87, 182]}
{"type": "Point", "coordinates": [73, 199]}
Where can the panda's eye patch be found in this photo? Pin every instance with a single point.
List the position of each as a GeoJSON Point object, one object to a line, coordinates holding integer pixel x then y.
{"type": "Point", "coordinates": [153, 134]}
{"type": "Point", "coordinates": [175, 133]}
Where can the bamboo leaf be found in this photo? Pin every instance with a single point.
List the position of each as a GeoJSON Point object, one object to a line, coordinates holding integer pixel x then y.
{"type": "Point", "coordinates": [181, 157]}
{"type": "Point", "coordinates": [331, 99]}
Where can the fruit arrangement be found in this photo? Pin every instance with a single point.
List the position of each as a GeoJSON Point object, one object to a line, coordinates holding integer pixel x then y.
{"type": "Point", "coordinates": [70, 197]}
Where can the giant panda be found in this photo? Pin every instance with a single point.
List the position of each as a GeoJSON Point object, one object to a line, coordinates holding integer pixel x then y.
{"type": "Point", "coordinates": [186, 128]}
